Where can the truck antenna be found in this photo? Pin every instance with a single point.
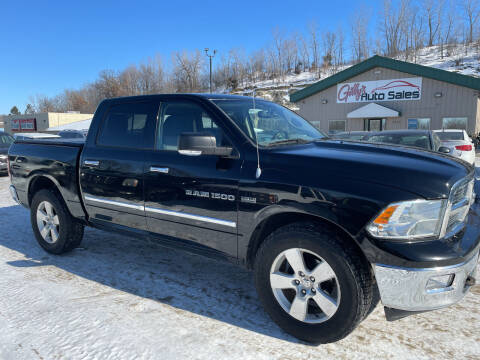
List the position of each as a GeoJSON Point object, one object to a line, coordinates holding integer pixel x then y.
{"type": "Point", "coordinates": [259, 170]}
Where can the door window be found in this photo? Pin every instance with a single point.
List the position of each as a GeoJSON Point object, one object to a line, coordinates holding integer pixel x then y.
{"type": "Point", "coordinates": [335, 126]}
{"type": "Point", "coordinates": [129, 125]}
{"type": "Point", "coordinates": [185, 117]}
{"type": "Point", "coordinates": [374, 124]}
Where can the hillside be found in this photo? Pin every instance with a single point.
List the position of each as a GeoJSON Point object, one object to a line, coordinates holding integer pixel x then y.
{"type": "Point", "coordinates": [456, 58]}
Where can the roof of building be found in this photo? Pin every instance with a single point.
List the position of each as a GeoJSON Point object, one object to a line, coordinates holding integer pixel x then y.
{"type": "Point", "coordinates": [373, 110]}
{"type": "Point", "coordinates": [77, 125]}
{"type": "Point", "coordinates": [388, 63]}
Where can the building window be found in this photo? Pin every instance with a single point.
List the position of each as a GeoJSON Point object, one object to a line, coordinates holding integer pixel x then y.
{"type": "Point", "coordinates": [316, 123]}
{"type": "Point", "coordinates": [419, 123]}
{"type": "Point", "coordinates": [335, 126]}
{"type": "Point", "coordinates": [455, 123]}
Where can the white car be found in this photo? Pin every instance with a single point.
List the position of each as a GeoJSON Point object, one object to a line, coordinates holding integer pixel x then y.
{"type": "Point", "coordinates": [459, 143]}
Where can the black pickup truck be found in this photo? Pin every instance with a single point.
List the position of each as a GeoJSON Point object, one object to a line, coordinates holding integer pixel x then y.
{"type": "Point", "coordinates": [330, 227]}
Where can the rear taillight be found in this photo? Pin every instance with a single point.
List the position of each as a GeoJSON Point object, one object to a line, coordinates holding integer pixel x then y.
{"type": "Point", "coordinates": [464, 147]}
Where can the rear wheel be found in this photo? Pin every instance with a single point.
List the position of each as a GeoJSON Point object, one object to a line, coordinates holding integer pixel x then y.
{"type": "Point", "coordinates": [314, 284]}
{"type": "Point", "coordinates": [55, 229]}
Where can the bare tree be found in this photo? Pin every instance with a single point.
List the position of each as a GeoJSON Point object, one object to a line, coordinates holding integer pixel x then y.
{"type": "Point", "coordinates": [359, 37]}
{"type": "Point", "coordinates": [186, 70]}
{"type": "Point", "coordinates": [74, 101]}
{"type": "Point", "coordinates": [416, 33]}
{"type": "Point", "coordinates": [471, 13]}
{"type": "Point", "coordinates": [433, 11]}
{"type": "Point", "coordinates": [29, 109]}
{"type": "Point", "coordinates": [314, 45]}
{"type": "Point", "coordinates": [393, 20]}
{"type": "Point", "coordinates": [290, 53]}
{"type": "Point", "coordinates": [279, 48]}
{"type": "Point", "coordinates": [339, 55]}
{"type": "Point", "coordinates": [129, 80]}
{"type": "Point", "coordinates": [330, 48]}
{"type": "Point", "coordinates": [304, 53]}
{"type": "Point", "coordinates": [42, 103]}
{"type": "Point", "coordinates": [447, 28]}
{"type": "Point", "coordinates": [151, 76]}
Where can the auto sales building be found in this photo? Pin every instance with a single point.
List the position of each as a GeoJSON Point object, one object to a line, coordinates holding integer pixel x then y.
{"type": "Point", "coordinates": [385, 94]}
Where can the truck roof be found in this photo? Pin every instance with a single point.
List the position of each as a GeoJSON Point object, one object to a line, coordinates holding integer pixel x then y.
{"type": "Point", "coordinates": [180, 95]}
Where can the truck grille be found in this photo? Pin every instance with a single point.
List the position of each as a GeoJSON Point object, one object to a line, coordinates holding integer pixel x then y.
{"type": "Point", "coordinates": [461, 197]}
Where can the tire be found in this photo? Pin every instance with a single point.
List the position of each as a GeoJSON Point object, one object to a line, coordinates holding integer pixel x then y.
{"type": "Point", "coordinates": [48, 213]}
{"type": "Point", "coordinates": [375, 300]}
{"type": "Point", "coordinates": [349, 288]}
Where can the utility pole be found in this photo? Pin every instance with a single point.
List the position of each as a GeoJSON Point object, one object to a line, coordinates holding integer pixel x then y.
{"type": "Point", "coordinates": [210, 58]}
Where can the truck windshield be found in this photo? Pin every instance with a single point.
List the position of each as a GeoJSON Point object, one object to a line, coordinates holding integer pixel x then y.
{"type": "Point", "coordinates": [268, 122]}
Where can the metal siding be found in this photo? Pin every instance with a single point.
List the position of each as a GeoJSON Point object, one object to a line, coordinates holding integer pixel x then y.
{"type": "Point", "coordinates": [456, 101]}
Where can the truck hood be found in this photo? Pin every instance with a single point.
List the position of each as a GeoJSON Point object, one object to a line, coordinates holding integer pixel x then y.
{"type": "Point", "coordinates": [424, 173]}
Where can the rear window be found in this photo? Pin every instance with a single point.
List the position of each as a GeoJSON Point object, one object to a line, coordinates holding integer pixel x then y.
{"type": "Point", "coordinates": [450, 135]}
{"type": "Point", "coordinates": [129, 125]}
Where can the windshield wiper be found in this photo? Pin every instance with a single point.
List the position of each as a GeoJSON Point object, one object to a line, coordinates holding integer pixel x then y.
{"type": "Point", "coordinates": [289, 141]}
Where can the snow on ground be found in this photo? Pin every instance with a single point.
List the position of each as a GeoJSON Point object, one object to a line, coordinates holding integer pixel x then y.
{"type": "Point", "coordinates": [459, 58]}
{"type": "Point", "coordinates": [124, 298]}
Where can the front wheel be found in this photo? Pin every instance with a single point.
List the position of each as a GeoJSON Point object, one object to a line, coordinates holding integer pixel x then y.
{"type": "Point", "coordinates": [55, 229]}
{"type": "Point", "coordinates": [313, 284]}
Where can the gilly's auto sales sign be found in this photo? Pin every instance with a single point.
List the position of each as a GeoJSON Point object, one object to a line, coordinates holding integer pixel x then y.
{"type": "Point", "coordinates": [380, 90]}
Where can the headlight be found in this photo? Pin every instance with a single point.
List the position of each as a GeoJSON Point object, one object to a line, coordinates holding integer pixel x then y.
{"type": "Point", "coordinates": [409, 220]}
{"type": "Point", "coordinates": [3, 157]}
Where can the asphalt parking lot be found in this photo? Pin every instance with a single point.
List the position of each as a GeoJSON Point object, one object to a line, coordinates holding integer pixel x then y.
{"type": "Point", "coordinates": [124, 298]}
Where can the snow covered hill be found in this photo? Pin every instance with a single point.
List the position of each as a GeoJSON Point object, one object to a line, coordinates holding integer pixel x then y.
{"type": "Point", "coordinates": [456, 58]}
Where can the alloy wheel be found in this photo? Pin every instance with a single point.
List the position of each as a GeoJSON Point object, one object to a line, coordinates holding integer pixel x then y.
{"type": "Point", "coordinates": [305, 285]}
{"type": "Point", "coordinates": [48, 222]}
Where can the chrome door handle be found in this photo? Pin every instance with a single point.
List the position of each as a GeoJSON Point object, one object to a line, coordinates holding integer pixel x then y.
{"type": "Point", "coordinates": [163, 170]}
{"type": "Point", "coordinates": [91, 163]}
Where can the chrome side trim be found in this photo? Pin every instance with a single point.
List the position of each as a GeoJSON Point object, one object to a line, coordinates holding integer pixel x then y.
{"type": "Point", "coordinates": [163, 170]}
{"type": "Point", "coordinates": [115, 203]}
{"type": "Point", "coordinates": [91, 163]}
{"type": "Point", "coordinates": [190, 152]}
{"type": "Point", "coordinates": [163, 211]}
{"type": "Point", "coordinates": [191, 216]}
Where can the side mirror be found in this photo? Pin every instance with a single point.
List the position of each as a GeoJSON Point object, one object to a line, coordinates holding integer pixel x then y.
{"type": "Point", "coordinates": [196, 144]}
{"type": "Point", "coordinates": [444, 149]}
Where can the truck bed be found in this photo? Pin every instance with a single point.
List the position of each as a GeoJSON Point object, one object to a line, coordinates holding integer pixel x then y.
{"type": "Point", "coordinates": [54, 159]}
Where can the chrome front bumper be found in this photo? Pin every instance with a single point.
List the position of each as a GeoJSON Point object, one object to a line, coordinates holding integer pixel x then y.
{"type": "Point", "coordinates": [424, 289]}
